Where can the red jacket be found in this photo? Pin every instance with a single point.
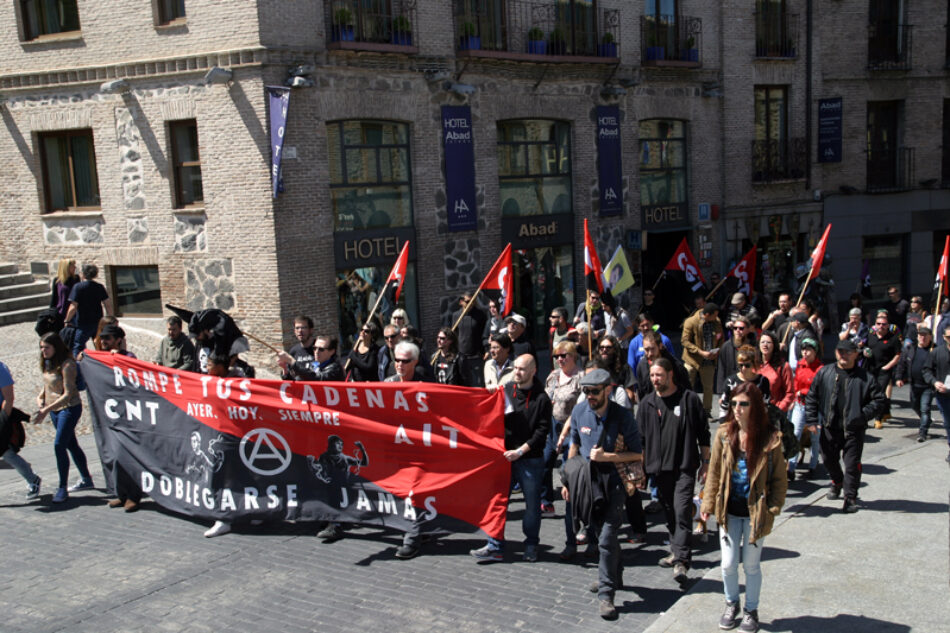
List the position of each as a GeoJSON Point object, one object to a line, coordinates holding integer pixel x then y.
{"type": "Point", "coordinates": [780, 385]}
{"type": "Point", "coordinates": [804, 374]}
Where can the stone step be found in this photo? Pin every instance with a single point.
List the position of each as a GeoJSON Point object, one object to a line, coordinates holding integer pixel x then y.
{"type": "Point", "coordinates": [10, 279]}
{"type": "Point", "coordinates": [23, 290]}
{"type": "Point", "coordinates": [27, 315]}
{"type": "Point", "coordinates": [24, 303]}
{"type": "Point", "coordinates": [6, 268]}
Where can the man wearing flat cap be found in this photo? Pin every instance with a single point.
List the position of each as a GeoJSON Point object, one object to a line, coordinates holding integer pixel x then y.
{"type": "Point", "coordinates": [596, 424]}
{"type": "Point", "coordinates": [112, 338]}
{"type": "Point", "coordinates": [520, 343]}
{"type": "Point", "coordinates": [842, 399]}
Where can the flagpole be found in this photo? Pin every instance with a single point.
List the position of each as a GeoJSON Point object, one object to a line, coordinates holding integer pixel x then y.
{"type": "Point", "coordinates": [369, 318]}
{"type": "Point", "coordinates": [590, 328]}
{"type": "Point", "coordinates": [937, 304]}
{"type": "Point", "coordinates": [713, 291]}
{"type": "Point", "coordinates": [658, 279]}
{"type": "Point", "coordinates": [797, 303]}
{"type": "Point", "coordinates": [267, 345]}
{"type": "Point", "coordinates": [459, 320]}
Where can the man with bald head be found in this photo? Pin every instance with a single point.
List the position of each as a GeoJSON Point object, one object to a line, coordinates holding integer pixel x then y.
{"type": "Point", "coordinates": [527, 424]}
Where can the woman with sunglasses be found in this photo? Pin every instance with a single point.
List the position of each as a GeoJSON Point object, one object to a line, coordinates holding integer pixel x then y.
{"type": "Point", "coordinates": [745, 489]}
{"type": "Point", "coordinates": [60, 400]}
{"type": "Point", "coordinates": [446, 364]}
{"type": "Point", "coordinates": [493, 326]}
{"type": "Point", "coordinates": [747, 366]}
{"type": "Point", "coordinates": [915, 316]}
{"type": "Point", "coordinates": [774, 367]}
{"type": "Point", "coordinates": [363, 360]}
{"type": "Point", "coordinates": [563, 386]}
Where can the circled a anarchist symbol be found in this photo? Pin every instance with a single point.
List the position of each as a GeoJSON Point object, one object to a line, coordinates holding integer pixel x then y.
{"type": "Point", "coordinates": [265, 452]}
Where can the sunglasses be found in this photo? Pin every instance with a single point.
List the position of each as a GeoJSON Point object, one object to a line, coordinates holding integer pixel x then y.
{"type": "Point", "coordinates": [366, 331]}
{"type": "Point", "coordinates": [741, 404]}
{"type": "Point", "coordinates": [399, 318]}
{"type": "Point", "coordinates": [608, 347]}
{"type": "Point", "coordinates": [559, 356]}
{"type": "Point", "coordinates": [391, 336]}
{"type": "Point", "coordinates": [440, 338]}
{"type": "Point", "coordinates": [738, 327]}
{"type": "Point", "coordinates": [745, 365]}
{"type": "Point", "coordinates": [322, 349]}
{"type": "Point", "coordinates": [592, 391]}
{"type": "Point", "coordinates": [402, 360]}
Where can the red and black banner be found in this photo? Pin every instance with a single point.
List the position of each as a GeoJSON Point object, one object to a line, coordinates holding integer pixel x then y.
{"type": "Point", "coordinates": [498, 285]}
{"type": "Point", "coordinates": [683, 273]}
{"type": "Point", "coordinates": [742, 276]}
{"type": "Point", "coordinates": [384, 454]}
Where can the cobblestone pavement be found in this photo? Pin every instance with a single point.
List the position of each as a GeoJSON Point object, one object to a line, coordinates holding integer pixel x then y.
{"type": "Point", "coordinates": [81, 567]}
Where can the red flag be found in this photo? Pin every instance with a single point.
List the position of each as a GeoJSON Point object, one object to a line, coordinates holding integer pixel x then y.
{"type": "Point", "coordinates": [593, 271]}
{"type": "Point", "coordinates": [942, 270]}
{"type": "Point", "coordinates": [742, 276]}
{"type": "Point", "coordinates": [683, 268]}
{"type": "Point", "coordinates": [498, 282]}
{"type": "Point", "coordinates": [398, 274]}
{"type": "Point", "coordinates": [818, 255]}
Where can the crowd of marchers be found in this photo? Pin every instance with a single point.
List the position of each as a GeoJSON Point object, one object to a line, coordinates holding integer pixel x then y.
{"type": "Point", "coordinates": [622, 418]}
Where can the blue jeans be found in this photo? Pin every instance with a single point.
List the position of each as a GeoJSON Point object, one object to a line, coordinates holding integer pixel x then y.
{"type": "Point", "coordinates": [921, 401]}
{"type": "Point", "coordinates": [606, 527]}
{"type": "Point", "coordinates": [730, 543]}
{"type": "Point", "coordinates": [528, 471]}
{"type": "Point", "coordinates": [20, 465]}
{"type": "Point", "coordinates": [65, 442]}
{"type": "Point", "coordinates": [82, 337]}
{"type": "Point", "coordinates": [943, 403]}
{"type": "Point", "coordinates": [798, 421]}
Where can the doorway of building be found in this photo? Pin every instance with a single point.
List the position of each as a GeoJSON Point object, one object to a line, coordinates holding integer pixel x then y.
{"type": "Point", "coordinates": [543, 280]}
{"type": "Point", "coordinates": [659, 249]}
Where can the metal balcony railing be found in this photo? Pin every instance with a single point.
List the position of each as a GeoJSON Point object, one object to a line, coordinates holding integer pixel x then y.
{"type": "Point", "coordinates": [776, 35]}
{"type": "Point", "coordinates": [371, 24]}
{"type": "Point", "coordinates": [778, 159]}
{"type": "Point", "coordinates": [670, 38]}
{"type": "Point", "coordinates": [889, 46]}
{"type": "Point", "coordinates": [537, 28]}
{"type": "Point", "coordinates": [890, 169]}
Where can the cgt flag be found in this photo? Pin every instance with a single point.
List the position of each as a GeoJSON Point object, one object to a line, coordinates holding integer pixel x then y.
{"type": "Point", "coordinates": [397, 275]}
{"type": "Point", "coordinates": [498, 282]}
{"type": "Point", "coordinates": [683, 271]}
{"type": "Point", "coordinates": [742, 276]}
{"type": "Point", "coordinates": [866, 279]}
{"type": "Point", "coordinates": [384, 454]}
{"type": "Point", "coordinates": [818, 255]}
{"type": "Point", "coordinates": [941, 279]}
{"type": "Point", "coordinates": [593, 271]}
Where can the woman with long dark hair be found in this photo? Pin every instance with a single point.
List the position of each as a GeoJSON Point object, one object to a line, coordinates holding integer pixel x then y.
{"type": "Point", "coordinates": [773, 366]}
{"type": "Point", "coordinates": [60, 400]}
{"type": "Point", "coordinates": [745, 488]}
{"type": "Point", "coordinates": [364, 357]}
{"type": "Point", "coordinates": [447, 367]}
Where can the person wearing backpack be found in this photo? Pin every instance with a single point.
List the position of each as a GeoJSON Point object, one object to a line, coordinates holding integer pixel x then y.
{"type": "Point", "coordinates": [8, 447]}
{"type": "Point", "coordinates": [745, 489]}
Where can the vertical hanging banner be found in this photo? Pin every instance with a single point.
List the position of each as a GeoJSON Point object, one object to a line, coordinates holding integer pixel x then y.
{"type": "Point", "coordinates": [609, 161]}
{"type": "Point", "coordinates": [397, 455]}
{"type": "Point", "coordinates": [278, 99]}
{"type": "Point", "coordinates": [459, 147]}
{"type": "Point", "coordinates": [829, 130]}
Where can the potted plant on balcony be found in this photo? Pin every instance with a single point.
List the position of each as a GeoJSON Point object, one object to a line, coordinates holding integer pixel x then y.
{"type": "Point", "coordinates": [402, 31]}
{"type": "Point", "coordinates": [536, 43]}
{"type": "Point", "coordinates": [607, 47]}
{"type": "Point", "coordinates": [557, 42]}
{"type": "Point", "coordinates": [468, 40]}
{"type": "Point", "coordinates": [690, 53]}
{"type": "Point", "coordinates": [342, 30]}
{"type": "Point", "coordinates": [654, 52]}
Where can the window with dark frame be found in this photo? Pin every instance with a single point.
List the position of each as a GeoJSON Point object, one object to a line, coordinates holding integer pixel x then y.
{"type": "Point", "coordinates": [945, 167]}
{"type": "Point", "coordinates": [68, 160]}
{"type": "Point", "coordinates": [170, 10]}
{"type": "Point", "coordinates": [48, 17]}
{"type": "Point", "coordinates": [137, 290]}
{"type": "Point", "coordinates": [770, 149]}
{"type": "Point", "coordinates": [662, 162]}
{"type": "Point", "coordinates": [534, 167]}
{"type": "Point", "coordinates": [187, 163]}
{"type": "Point", "coordinates": [370, 177]}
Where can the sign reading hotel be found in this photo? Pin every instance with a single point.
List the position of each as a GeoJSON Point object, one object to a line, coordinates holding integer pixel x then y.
{"type": "Point", "coordinates": [459, 148]}
{"type": "Point", "coordinates": [608, 160]}
{"type": "Point", "coordinates": [371, 247]}
{"type": "Point", "coordinates": [829, 130]}
{"type": "Point", "coordinates": [665, 216]}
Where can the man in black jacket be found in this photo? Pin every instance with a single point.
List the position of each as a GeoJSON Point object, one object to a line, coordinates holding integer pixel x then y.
{"type": "Point", "coordinates": [527, 425]}
{"type": "Point", "coordinates": [910, 370]}
{"type": "Point", "coordinates": [936, 373]}
{"type": "Point", "coordinates": [471, 350]}
{"type": "Point", "coordinates": [675, 429]}
{"type": "Point", "coordinates": [842, 398]}
{"type": "Point", "coordinates": [742, 334]}
{"type": "Point", "coordinates": [652, 350]}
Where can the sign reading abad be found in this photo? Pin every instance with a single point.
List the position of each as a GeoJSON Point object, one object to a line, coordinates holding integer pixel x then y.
{"type": "Point", "coordinates": [386, 454]}
{"type": "Point", "coordinates": [459, 148]}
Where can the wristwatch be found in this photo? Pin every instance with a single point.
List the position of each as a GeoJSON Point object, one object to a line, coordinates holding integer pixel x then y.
{"type": "Point", "coordinates": [520, 453]}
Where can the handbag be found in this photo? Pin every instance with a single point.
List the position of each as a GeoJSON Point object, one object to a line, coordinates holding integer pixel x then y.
{"type": "Point", "coordinates": [631, 473]}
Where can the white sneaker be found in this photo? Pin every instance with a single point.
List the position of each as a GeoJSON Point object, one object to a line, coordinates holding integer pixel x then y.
{"type": "Point", "coordinates": [219, 528]}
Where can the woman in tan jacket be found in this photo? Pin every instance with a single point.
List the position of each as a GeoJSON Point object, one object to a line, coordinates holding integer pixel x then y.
{"type": "Point", "coordinates": [60, 400]}
{"type": "Point", "coordinates": [745, 489]}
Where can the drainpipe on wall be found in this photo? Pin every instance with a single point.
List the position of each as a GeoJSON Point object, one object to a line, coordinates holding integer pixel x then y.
{"type": "Point", "coordinates": [808, 82]}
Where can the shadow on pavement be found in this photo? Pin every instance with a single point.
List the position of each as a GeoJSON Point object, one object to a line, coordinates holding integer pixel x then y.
{"type": "Point", "coordinates": [775, 553]}
{"type": "Point", "coordinates": [904, 505]}
{"type": "Point", "coordinates": [841, 623]}
{"type": "Point", "coordinates": [875, 469]}
{"type": "Point", "coordinates": [72, 502]}
{"type": "Point", "coordinates": [653, 600]}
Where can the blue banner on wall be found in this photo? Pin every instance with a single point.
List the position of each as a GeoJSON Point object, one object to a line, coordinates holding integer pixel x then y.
{"type": "Point", "coordinates": [829, 130]}
{"type": "Point", "coordinates": [278, 98]}
{"type": "Point", "coordinates": [608, 160]}
{"type": "Point", "coordinates": [459, 168]}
